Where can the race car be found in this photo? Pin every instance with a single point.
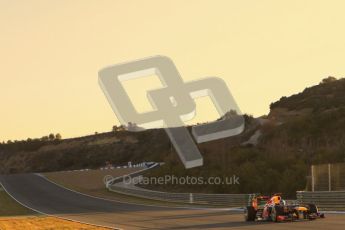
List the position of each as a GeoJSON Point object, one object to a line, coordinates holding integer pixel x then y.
{"type": "Point", "coordinates": [276, 209]}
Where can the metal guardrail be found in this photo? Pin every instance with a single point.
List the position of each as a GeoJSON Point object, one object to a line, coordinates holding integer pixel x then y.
{"type": "Point", "coordinates": [334, 200]}
{"type": "Point", "coordinates": [228, 200]}
{"type": "Point", "coordinates": [112, 180]}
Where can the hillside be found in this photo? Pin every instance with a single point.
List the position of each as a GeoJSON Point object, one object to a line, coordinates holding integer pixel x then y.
{"type": "Point", "coordinates": [310, 123]}
{"type": "Point", "coordinates": [301, 130]}
{"type": "Point", "coordinates": [117, 147]}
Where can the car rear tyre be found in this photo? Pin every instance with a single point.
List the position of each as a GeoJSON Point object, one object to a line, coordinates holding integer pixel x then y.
{"type": "Point", "coordinates": [249, 213]}
{"type": "Point", "coordinates": [312, 208]}
{"type": "Point", "coordinates": [276, 211]}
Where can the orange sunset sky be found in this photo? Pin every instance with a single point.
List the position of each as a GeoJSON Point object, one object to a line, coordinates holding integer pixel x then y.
{"type": "Point", "coordinates": [51, 52]}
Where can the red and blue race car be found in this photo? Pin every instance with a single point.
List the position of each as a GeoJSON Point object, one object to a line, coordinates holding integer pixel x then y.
{"type": "Point", "coordinates": [274, 208]}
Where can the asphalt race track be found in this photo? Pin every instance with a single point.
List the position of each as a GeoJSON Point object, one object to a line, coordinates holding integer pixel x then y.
{"type": "Point", "coordinates": [39, 194]}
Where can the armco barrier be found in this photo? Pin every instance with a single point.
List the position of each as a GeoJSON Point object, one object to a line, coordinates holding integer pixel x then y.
{"type": "Point", "coordinates": [228, 200]}
{"type": "Point", "coordinates": [148, 166]}
{"type": "Point", "coordinates": [334, 200]}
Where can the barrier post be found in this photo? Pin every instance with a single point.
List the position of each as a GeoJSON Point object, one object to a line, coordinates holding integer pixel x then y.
{"type": "Point", "coordinates": [191, 199]}
{"type": "Point", "coordinates": [329, 178]}
{"type": "Point", "coordinates": [312, 179]}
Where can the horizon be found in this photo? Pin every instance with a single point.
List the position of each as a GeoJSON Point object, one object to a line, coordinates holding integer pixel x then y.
{"type": "Point", "coordinates": [52, 52]}
{"type": "Point", "coordinates": [188, 123]}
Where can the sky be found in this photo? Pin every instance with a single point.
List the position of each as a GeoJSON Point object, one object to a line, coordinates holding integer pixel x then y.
{"type": "Point", "coordinates": [51, 52]}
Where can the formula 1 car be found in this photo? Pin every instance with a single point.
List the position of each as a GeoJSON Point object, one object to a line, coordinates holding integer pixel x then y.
{"type": "Point", "coordinates": [276, 209]}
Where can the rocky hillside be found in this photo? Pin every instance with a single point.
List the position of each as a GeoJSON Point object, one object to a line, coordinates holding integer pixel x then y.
{"type": "Point", "coordinates": [300, 130]}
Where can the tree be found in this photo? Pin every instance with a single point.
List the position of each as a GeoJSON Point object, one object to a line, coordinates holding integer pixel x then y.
{"type": "Point", "coordinates": [44, 138]}
{"type": "Point", "coordinates": [328, 80]}
{"type": "Point", "coordinates": [115, 128]}
{"type": "Point", "coordinates": [51, 137]}
{"type": "Point", "coordinates": [58, 136]}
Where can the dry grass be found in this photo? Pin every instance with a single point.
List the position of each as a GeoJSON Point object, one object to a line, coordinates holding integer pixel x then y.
{"type": "Point", "coordinates": [43, 223]}
{"type": "Point", "coordinates": [91, 180]}
{"type": "Point", "coordinates": [91, 183]}
{"type": "Point", "coordinates": [9, 207]}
